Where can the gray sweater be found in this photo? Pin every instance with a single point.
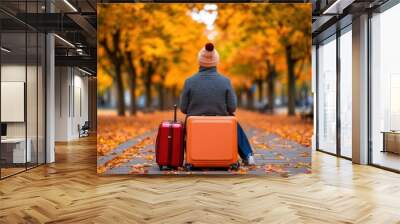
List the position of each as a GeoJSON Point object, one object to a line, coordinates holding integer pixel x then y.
{"type": "Point", "coordinates": [208, 93]}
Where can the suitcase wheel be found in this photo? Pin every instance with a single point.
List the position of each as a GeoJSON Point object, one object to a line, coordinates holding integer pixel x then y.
{"type": "Point", "coordinates": [188, 167]}
{"type": "Point", "coordinates": [235, 166]}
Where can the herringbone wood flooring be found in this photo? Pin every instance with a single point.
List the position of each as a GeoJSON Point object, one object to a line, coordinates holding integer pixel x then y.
{"type": "Point", "coordinates": [70, 191]}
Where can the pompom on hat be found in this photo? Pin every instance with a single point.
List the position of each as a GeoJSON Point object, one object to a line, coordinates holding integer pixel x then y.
{"type": "Point", "coordinates": [208, 56]}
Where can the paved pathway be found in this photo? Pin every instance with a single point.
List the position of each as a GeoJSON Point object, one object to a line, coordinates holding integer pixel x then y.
{"type": "Point", "coordinates": [274, 156]}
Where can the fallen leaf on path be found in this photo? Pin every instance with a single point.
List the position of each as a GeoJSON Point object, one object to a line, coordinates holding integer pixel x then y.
{"type": "Point", "coordinates": [149, 157]}
{"type": "Point", "coordinates": [302, 165]}
{"type": "Point", "coordinates": [305, 154]}
{"type": "Point", "coordinates": [274, 168]}
{"type": "Point", "coordinates": [279, 157]}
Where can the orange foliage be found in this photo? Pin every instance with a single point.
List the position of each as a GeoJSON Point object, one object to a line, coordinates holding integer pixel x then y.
{"type": "Point", "coordinates": [254, 37]}
{"type": "Point", "coordinates": [114, 130]}
{"type": "Point", "coordinates": [248, 35]}
{"type": "Point", "coordinates": [162, 34]}
{"type": "Point", "coordinates": [125, 156]}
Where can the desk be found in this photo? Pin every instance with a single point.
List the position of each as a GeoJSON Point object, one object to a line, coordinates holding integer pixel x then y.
{"type": "Point", "coordinates": [391, 141]}
{"type": "Point", "coordinates": [17, 150]}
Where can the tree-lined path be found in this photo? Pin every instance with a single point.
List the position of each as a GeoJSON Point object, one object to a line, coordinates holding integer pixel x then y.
{"type": "Point", "coordinates": [280, 143]}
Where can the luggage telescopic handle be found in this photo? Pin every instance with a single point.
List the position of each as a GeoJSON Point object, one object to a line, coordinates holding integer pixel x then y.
{"type": "Point", "coordinates": [175, 106]}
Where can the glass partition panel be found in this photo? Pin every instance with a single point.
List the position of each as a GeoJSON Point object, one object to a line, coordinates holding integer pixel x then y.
{"type": "Point", "coordinates": [346, 93]}
{"type": "Point", "coordinates": [32, 97]}
{"type": "Point", "coordinates": [41, 98]}
{"type": "Point", "coordinates": [22, 66]}
{"type": "Point", "coordinates": [327, 96]}
{"type": "Point", "coordinates": [14, 153]}
{"type": "Point", "coordinates": [385, 89]}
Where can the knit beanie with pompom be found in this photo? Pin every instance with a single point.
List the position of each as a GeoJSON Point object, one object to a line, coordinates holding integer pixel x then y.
{"type": "Point", "coordinates": [208, 56]}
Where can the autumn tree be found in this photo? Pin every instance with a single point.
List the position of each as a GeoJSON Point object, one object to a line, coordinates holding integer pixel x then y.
{"type": "Point", "coordinates": [153, 41]}
{"type": "Point", "coordinates": [114, 43]}
{"type": "Point", "coordinates": [110, 44]}
{"type": "Point", "coordinates": [295, 37]}
{"type": "Point", "coordinates": [273, 35]}
{"type": "Point", "coordinates": [249, 44]}
{"type": "Point", "coordinates": [237, 58]}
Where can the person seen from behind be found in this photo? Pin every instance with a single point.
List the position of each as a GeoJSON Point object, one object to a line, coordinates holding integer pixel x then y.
{"type": "Point", "coordinates": [209, 93]}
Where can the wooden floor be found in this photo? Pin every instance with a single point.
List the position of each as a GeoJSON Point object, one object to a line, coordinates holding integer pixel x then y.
{"type": "Point", "coordinates": [387, 159]}
{"type": "Point", "coordinates": [70, 191]}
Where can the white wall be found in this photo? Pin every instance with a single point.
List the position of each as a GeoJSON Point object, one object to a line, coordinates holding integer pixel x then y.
{"type": "Point", "coordinates": [33, 126]}
{"type": "Point", "coordinates": [62, 81]}
{"type": "Point", "coordinates": [71, 102]}
{"type": "Point", "coordinates": [12, 73]}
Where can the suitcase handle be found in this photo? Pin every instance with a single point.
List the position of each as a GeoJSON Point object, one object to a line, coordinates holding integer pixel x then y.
{"type": "Point", "coordinates": [175, 106]}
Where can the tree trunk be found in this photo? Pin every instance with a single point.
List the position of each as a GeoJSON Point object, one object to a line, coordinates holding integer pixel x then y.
{"type": "Point", "coordinates": [239, 97]}
{"type": "Point", "coordinates": [171, 98]}
{"type": "Point", "coordinates": [114, 54]}
{"type": "Point", "coordinates": [271, 91]}
{"type": "Point", "coordinates": [132, 86]}
{"type": "Point", "coordinates": [148, 93]}
{"type": "Point", "coordinates": [147, 84]}
{"type": "Point", "coordinates": [132, 82]}
{"type": "Point", "coordinates": [260, 90]}
{"type": "Point", "coordinates": [161, 98]}
{"type": "Point", "coordinates": [291, 81]}
{"type": "Point", "coordinates": [175, 97]}
{"type": "Point", "coordinates": [283, 93]}
{"type": "Point", "coordinates": [250, 99]}
{"type": "Point", "coordinates": [120, 90]}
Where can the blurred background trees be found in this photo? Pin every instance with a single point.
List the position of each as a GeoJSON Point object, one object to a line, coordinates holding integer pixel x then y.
{"type": "Point", "coordinates": [146, 51]}
{"type": "Point", "coordinates": [145, 48]}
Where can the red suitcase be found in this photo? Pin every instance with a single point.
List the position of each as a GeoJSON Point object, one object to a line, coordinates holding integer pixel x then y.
{"type": "Point", "coordinates": [169, 143]}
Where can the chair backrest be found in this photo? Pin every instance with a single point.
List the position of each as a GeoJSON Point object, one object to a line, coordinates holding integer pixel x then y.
{"type": "Point", "coordinates": [86, 125]}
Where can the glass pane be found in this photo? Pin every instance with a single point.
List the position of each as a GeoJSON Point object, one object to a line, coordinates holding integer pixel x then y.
{"type": "Point", "coordinates": [346, 94]}
{"type": "Point", "coordinates": [41, 98]}
{"type": "Point", "coordinates": [32, 85]}
{"type": "Point", "coordinates": [327, 96]}
{"type": "Point", "coordinates": [32, 97]}
{"type": "Point", "coordinates": [13, 86]}
{"type": "Point", "coordinates": [386, 89]}
{"type": "Point", "coordinates": [23, 84]}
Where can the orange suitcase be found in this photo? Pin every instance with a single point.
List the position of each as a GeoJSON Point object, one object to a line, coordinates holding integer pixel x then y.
{"type": "Point", "coordinates": [211, 141]}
